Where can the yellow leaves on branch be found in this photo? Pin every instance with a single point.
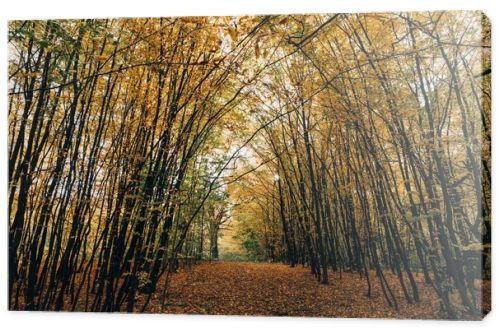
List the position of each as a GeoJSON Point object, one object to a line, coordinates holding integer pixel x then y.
{"type": "Point", "coordinates": [101, 58]}
{"type": "Point", "coordinates": [233, 33]}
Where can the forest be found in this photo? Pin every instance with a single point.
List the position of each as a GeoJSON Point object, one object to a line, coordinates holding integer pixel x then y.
{"type": "Point", "coordinates": [347, 156]}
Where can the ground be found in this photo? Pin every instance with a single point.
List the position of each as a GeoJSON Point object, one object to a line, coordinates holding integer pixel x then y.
{"type": "Point", "coordinates": [271, 289]}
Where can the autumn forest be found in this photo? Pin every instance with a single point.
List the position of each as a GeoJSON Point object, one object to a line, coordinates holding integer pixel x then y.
{"type": "Point", "coordinates": [306, 165]}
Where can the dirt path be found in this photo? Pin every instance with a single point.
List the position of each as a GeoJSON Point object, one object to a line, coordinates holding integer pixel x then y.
{"type": "Point", "coordinates": [237, 288]}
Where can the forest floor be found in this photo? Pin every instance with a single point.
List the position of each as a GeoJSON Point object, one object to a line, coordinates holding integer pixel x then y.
{"type": "Point", "coordinates": [271, 289]}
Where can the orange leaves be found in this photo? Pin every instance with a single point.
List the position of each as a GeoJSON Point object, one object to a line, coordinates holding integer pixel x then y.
{"type": "Point", "coordinates": [233, 33]}
{"type": "Point", "coordinates": [279, 290]}
{"type": "Point", "coordinates": [101, 58]}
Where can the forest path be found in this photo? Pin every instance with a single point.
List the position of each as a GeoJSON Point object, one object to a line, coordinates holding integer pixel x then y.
{"type": "Point", "coordinates": [246, 288]}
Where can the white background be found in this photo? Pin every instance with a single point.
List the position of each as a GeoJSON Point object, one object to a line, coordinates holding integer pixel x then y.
{"type": "Point", "coordinates": [46, 322]}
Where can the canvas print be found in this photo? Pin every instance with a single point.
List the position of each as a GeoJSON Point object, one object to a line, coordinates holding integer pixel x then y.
{"type": "Point", "coordinates": [320, 165]}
